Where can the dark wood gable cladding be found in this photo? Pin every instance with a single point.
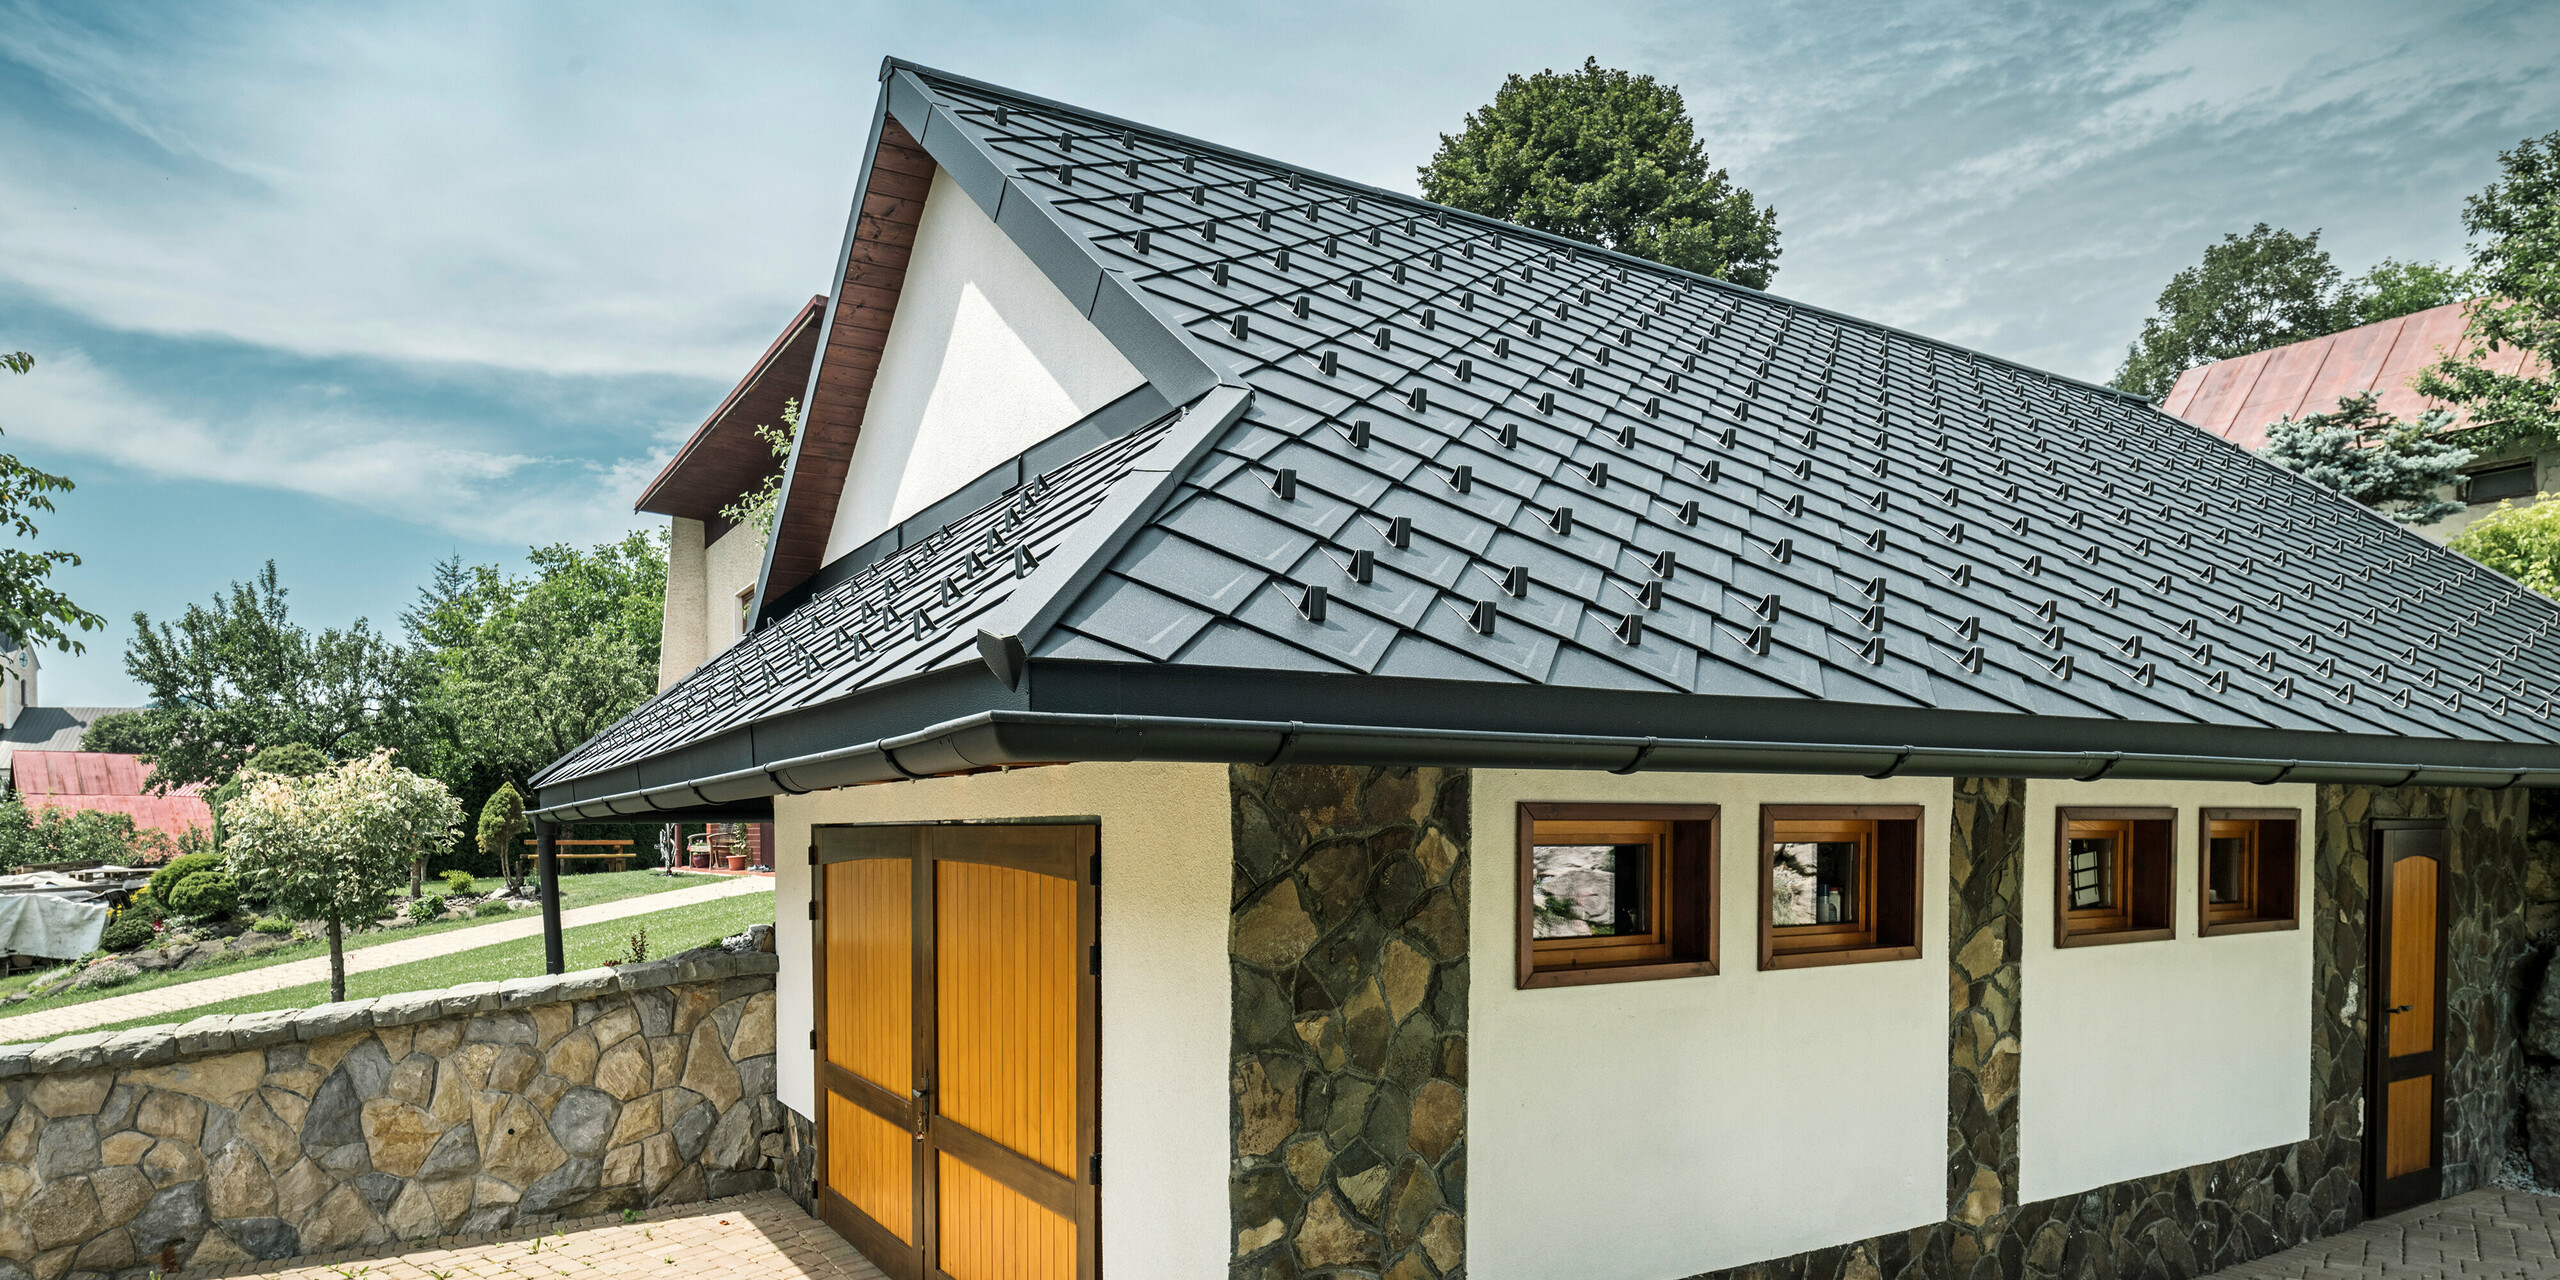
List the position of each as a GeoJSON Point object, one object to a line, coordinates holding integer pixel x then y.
{"type": "Point", "coordinates": [875, 270]}
{"type": "Point", "coordinates": [724, 458]}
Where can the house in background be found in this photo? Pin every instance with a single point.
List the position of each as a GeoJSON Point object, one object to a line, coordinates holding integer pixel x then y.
{"type": "Point", "coordinates": [108, 782]}
{"type": "Point", "coordinates": [2239, 398]}
{"type": "Point", "coordinates": [27, 726]}
{"type": "Point", "coordinates": [1321, 734]}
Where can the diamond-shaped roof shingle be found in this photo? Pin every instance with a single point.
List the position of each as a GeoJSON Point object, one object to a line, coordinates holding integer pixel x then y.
{"type": "Point", "coordinates": [1450, 489]}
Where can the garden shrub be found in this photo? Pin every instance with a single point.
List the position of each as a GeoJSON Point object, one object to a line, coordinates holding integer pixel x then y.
{"type": "Point", "coordinates": [126, 932]}
{"type": "Point", "coordinates": [426, 907]}
{"type": "Point", "coordinates": [205, 894]}
{"type": "Point", "coordinates": [276, 925]}
{"type": "Point", "coordinates": [167, 877]}
{"type": "Point", "coordinates": [458, 881]}
{"type": "Point", "coordinates": [493, 907]}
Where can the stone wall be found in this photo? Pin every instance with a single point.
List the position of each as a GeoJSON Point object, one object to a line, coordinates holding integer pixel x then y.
{"type": "Point", "coordinates": [2190, 1221]}
{"type": "Point", "coordinates": [234, 1139]}
{"type": "Point", "coordinates": [1348, 951]}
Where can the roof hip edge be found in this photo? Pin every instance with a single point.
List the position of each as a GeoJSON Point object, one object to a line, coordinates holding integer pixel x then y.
{"type": "Point", "coordinates": [893, 64]}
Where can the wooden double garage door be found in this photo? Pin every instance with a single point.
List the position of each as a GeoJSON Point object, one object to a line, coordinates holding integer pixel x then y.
{"type": "Point", "coordinates": [958, 1061]}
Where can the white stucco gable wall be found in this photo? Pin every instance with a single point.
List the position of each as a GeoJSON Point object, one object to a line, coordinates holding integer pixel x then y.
{"type": "Point", "coordinates": [984, 359]}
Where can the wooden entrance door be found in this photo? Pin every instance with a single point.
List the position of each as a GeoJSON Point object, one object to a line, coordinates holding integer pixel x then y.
{"type": "Point", "coordinates": [957, 1061]}
{"type": "Point", "coordinates": [2404, 1137]}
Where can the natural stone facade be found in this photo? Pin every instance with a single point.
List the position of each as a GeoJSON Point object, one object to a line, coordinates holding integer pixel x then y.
{"type": "Point", "coordinates": [235, 1139]}
{"type": "Point", "coordinates": [1348, 953]}
{"type": "Point", "coordinates": [2190, 1221]}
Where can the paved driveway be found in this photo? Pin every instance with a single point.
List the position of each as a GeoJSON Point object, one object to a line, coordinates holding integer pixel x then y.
{"type": "Point", "coordinates": [762, 1235]}
{"type": "Point", "coordinates": [181, 998]}
{"type": "Point", "coordinates": [2486, 1234]}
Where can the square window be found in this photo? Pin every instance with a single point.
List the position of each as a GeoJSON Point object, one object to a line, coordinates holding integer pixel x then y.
{"type": "Point", "coordinates": [1616, 893]}
{"type": "Point", "coordinates": [2245, 872]}
{"type": "Point", "coordinates": [1838, 884]}
{"type": "Point", "coordinates": [2112, 875]}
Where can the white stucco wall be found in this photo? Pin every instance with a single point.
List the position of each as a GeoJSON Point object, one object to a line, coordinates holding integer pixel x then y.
{"type": "Point", "coordinates": [1167, 850]}
{"type": "Point", "coordinates": [2142, 1057]}
{"type": "Point", "coordinates": [680, 640]}
{"type": "Point", "coordinates": [729, 565]}
{"type": "Point", "coordinates": [1644, 1130]}
{"type": "Point", "coordinates": [984, 359]}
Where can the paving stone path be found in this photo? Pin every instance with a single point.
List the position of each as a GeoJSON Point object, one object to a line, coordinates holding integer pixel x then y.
{"type": "Point", "coordinates": [2489, 1235]}
{"type": "Point", "coordinates": [757, 1235]}
{"type": "Point", "coordinates": [183, 997]}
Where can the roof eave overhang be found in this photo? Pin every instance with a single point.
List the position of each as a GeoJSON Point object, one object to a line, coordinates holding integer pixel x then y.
{"type": "Point", "coordinates": [1940, 744]}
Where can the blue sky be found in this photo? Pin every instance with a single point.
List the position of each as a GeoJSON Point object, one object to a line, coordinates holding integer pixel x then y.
{"type": "Point", "coordinates": [355, 288]}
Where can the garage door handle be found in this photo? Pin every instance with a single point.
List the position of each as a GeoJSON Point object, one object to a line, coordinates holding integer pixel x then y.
{"type": "Point", "coordinates": [921, 1111]}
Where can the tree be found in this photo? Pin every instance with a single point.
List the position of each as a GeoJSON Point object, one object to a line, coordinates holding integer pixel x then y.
{"type": "Point", "coordinates": [292, 760]}
{"type": "Point", "coordinates": [56, 834]}
{"type": "Point", "coordinates": [31, 611]}
{"type": "Point", "coordinates": [526, 668]}
{"type": "Point", "coordinates": [2520, 542]}
{"type": "Point", "coordinates": [2372, 457]}
{"type": "Point", "coordinates": [122, 732]}
{"type": "Point", "coordinates": [1607, 158]}
{"type": "Point", "coordinates": [2515, 266]}
{"type": "Point", "coordinates": [755, 508]}
{"type": "Point", "coordinates": [240, 675]}
{"type": "Point", "coordinates": [2251, 292]}
{"type": "Point", "coordinates": [2394, 288]}
{"type": "Point", "coordinates": [501, 821]}
{"type": "Point", "coordinates": [334, 845]}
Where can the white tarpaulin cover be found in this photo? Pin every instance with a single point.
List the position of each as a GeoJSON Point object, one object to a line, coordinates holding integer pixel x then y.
{"type": "Point", "coordinates": [40, 924]}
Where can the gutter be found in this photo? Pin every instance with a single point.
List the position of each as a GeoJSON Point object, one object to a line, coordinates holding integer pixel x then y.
{"type": "Point", "coordinates": [995, 739]}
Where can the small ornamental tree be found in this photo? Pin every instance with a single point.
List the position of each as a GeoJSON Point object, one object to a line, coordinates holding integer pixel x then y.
{"type": "Point", "coordinates": [2372, 457]}
{"type": "Point", "coordinates": [501, 821]}
{"type": "Point", "coordinates": [2520, 542]}
{"type": "Point", "coordinates": [334, 845]}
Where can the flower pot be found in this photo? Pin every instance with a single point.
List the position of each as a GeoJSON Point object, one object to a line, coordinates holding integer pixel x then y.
{"type": "Point", "coordinates": [737, 862]}
{"type": "Point", "coordinates": [702, 861]}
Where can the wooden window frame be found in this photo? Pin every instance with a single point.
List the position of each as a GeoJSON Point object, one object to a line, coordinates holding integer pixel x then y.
{"type": "Point", "coordinates": [2146, 880]}
{"type": "Point", "coordinates": [2270, 878]}
{"type": "Point", "coordinates": [1685, 908]}
{"type": "Point", "coordinates": [1895, 904]}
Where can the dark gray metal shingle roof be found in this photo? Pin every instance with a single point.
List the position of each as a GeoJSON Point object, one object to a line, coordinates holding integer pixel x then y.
{"type": "Point", "coordinates": [1506, 460]}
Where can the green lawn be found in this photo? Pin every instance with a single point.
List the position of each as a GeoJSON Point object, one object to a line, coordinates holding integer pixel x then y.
{"type": "Point", "coordinates": [576, 891]}
{"type": "Point", "coordinates": [586, 946]}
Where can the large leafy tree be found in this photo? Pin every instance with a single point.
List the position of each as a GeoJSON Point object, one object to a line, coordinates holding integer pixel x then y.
{"type": "Point", "coordinates": [31, 610]}
{"type": "Point", "coordinates": [238, 675]}
{"type": "Point", "coordinates": [2374, 458]}
{"type": "Point", "coordinates": [334, 845]}
{"type": "Point", "coordinates": [2251, 292]}
{"type": "Point", "coordinates": [2516, 264]}
{"type": "Point", "coordinates": [1607, 158]}
{"type": "Point", "coordinates": [527, 667]}
{"type": "Point", "coordinates": [2520, 542]}
{"type": "Point", "coordinates": [2395, 288]}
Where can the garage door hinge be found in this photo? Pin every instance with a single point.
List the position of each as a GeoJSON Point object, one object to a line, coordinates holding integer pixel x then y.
{"type": "Point", "coordinates": [1094, 957]}
{"type": "Point", "coordinates": [1094, 1168]}
{"type": "Point", "coordinates": [813, 910]}
{"type": "Point", "coordinates": [813, 853]}
{"type": "Point", "coordinates": [1097, 868]}
{"type": "Point", "coordinates": [813, 1037]}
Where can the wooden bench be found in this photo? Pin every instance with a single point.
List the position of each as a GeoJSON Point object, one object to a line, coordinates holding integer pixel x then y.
{"type": "Point", "coordinates": [616, 859]}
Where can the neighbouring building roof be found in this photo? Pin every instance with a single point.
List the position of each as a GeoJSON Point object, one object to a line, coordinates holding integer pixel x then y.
{"type": "Point", "coordinates": [107, 781]}
{"type": "Point", "coordinates": [1561, 508]}
{"type": "Point", "coordinates": [723, 458]}
{"type": "Point", "coordinates": [2237, 398]}
{"type": "Point", "coordinates": [51, 728]}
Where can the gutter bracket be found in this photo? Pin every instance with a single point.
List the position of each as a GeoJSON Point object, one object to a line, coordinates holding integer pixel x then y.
{"type": "Point", "coordinates": [2104, 768]}
{"type": "Point", "coordinates": [1636, 761]}
{"type": "Point", "coordinates": [1288, 743]}
{"type": "Point", "coordinates": [1895, 767]}
{"type": "Point", "coordinates": [2287, 771]}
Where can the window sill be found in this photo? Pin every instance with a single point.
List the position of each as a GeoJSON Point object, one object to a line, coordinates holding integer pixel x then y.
{"type": "Point", "coordinates": [1636, 971]}
{"type": "Point", "coordinates": [2217, 928]}
{"type": "Point", "coordinates": [2106, 937]}
{"type": "Point", "coordinates": [1842, 955]}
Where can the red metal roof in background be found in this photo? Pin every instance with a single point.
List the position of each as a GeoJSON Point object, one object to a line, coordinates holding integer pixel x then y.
{"type": "Point", "coordinates": [107, 782]}
{"type": "Point", "coordinates": [2237, 398]}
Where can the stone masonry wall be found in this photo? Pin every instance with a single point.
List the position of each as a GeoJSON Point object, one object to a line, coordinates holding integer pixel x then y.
{"type": "Point", "coordinates": [2186, 1222]}
{"type": "Point", "coordinates": [1348, 953]}
{"type": "Point", "coordinates": [235, 1139]}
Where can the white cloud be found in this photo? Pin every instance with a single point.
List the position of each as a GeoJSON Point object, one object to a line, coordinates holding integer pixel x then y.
{"type": "Point", "coordinates": [402, 469]}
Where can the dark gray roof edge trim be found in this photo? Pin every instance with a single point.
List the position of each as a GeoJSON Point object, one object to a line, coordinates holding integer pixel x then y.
{"type": "Point", "coordinates": [1096, 540]}
{"type": "Point", "coordinates": [1140, 405]}
{"type": "Point", "coordinates": [996, 739]}
{"type": "Point", "coordinates": [826, 329]}
{"type": "Point", "coordinates": [893, 64]}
